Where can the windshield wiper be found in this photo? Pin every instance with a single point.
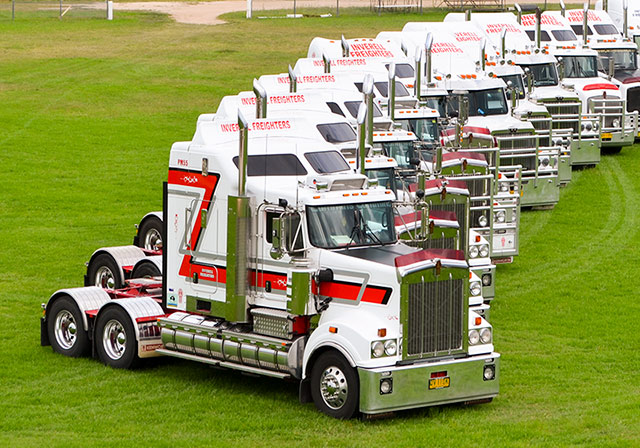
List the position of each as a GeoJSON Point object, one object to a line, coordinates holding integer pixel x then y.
{"type": "Point", "coordinates": [373, 236]}
{"type": "Point", "coordinates": [357, 229]}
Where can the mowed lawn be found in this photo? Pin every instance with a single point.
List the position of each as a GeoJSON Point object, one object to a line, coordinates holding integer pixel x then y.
{"type": "Point", "coordinates": [89, 110]}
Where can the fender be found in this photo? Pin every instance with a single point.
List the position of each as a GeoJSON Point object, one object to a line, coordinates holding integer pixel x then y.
{"type": "Point", "coordinates": [144, 313]}
{"type": "Point", "coordinates": [144, 219]}
{"type": "Point", "coordinates": [124, 257]}
{"type": "Point", "coordinates": [86, 298]}
{"type": "Point", "coordinates": [153, 259]}
{"type": "Point", "coordinates": [321, 338]}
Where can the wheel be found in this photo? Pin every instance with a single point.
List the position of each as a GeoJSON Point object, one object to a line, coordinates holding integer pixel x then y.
{"type": "Point", "coordinates": [115, 339]}
{"type": "Point", "coordinates": [104, 273]}
{"type": "Point", "coordinates": [150, 234]}
{"type": "Point", "coordinates": [145, 270]}
{"type": "Point", "coordinates": [334, 386]}
{"type": "Point", "coordinates": [66, 329]}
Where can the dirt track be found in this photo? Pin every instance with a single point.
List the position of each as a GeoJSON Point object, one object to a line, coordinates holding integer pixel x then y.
{"type": "Point", "coordinates": [207, 13]}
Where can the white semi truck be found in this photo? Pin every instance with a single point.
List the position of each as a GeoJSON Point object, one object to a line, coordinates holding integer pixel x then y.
{"type": "Point", "coordinates": [579, 71]}
{"type": "Point", "coordinates": [274, 266]}
{"type": "Point", "coordinates": [510, 39]}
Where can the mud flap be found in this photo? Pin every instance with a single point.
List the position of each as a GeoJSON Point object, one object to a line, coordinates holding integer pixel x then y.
{"type": "Point", "coordinates": [44, 336]}
{"type": "Point", "coordinates": [304, 392]}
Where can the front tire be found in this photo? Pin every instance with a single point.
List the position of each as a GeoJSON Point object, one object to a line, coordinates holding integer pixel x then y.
{"type": "Point", "coordinates": [104, 273]}
{"type": "Point", "coordinates": [65, 328]}
{"type": "Point", "coordinates": [335, 386]}
{"type": "Point", "coordinates": [115, 339]}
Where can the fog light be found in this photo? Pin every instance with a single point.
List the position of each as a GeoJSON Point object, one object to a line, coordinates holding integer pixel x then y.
{"type": "Point", "coordinates": [486, 279]}
{"type": "Point", "coordinates": [489, 372]}
{"type": "Point", "coordinates": [386, 386]}
{"type": "Point", "coordinates": [475, 289]}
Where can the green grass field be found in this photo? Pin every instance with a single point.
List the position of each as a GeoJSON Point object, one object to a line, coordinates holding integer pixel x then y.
{"type": "Point", "coordinates": [89, 112]}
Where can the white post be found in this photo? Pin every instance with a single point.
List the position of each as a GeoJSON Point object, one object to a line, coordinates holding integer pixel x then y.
{"type": "Point", "coordinates": [249, 8]}
{"type": "Point", "coordinates": [109, 10]}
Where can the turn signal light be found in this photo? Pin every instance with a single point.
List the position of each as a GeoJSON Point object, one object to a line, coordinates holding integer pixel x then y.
{"type": "Point", "coordinates": [382, 332]}
{"type": "Point", "coordinates": [333, 329]}
{"type": "Point", "coordinates": [478, 320]}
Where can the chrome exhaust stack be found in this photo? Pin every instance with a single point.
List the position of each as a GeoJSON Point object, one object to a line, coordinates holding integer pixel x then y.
{"type": "Point", "coordinates": [362, 135]}
{"type": "Point", "coordinates": [518, 13]}
{"type": "Point", "coordinates": [367, 89]}
{"type": "Point", "coordinates": [538, 27]}
{"type": "Point", "coordinates": [261, 99]}
{"type": "Point", "coordinates": [345, 47]}
{"type": "Point", "coordinates": [238, 238]}
{"type": "Point", "coordinates": [563, 9]}
{"type": "Point", "coordinates": [428, 43]}
{"type": "Point", "coordinates": [391, 106]}
{"type": "Point", "coordinates": [293, 81]}
{"type": "Point", "coordinates": [585, 24]}
{"type": "Point", "coordinates": [327, 63]}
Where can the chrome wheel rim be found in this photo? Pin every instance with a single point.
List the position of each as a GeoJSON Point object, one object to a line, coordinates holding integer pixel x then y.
{"type": "Point", "coordinates": [65, 330]}
{"type": "Point", "coordinates": [153, 240]}
{"type": "Point", "coordinates": [333, 387]}
{"type": "Point", "coordinates": [105, 278]}
{"type": "Point", "coordinates": [114, 339]}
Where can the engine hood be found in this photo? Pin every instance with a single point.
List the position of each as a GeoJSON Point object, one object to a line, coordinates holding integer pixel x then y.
{"type": "Point", "coordinates": [552, 92]}
{"type": "Point", "coordinates": [630, 76]}
{"type": "Point", "coordinates": [498, 123]}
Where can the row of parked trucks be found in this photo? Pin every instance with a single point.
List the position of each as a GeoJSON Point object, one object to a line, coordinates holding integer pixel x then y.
{"type": "Point", "coordinates": [341, 223]}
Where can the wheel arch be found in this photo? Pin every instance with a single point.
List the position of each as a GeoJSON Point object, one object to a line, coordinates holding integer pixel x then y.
{"type": "Point", "coordinates": [121, 255]}
{"type": "Point", "coordinates": [86, 299]}
{"type": "Point", "coordinates": [142, 311]}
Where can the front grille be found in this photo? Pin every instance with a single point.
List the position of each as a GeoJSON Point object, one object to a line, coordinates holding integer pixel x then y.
{"type": "Point", "coordinates": [527, 160]}
{"type": "Point", "coordinates": [460, 211]}
{"type": "Point", "coordinates": [542, 127]}
{"type": "Point", "coordinates": [433, 242]}
{"type": "Point", "coordinates": [633, 99]}
{"type": "Point", "coordinates": [612, 110]}
{"type": "Point", "coordinates": [435, 318]}
{"type": "Point", "coordinates": [560, 120]}
{"type": "Point", "coordinates": [477, 187]}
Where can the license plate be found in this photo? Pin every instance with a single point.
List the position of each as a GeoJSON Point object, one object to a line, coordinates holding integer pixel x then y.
{"type": "Point", "coordinates": [638, 134]}
{"type": "Point", "coordinates": [439, 383]}
{"type": "Point", "coordinates": [606, 135]}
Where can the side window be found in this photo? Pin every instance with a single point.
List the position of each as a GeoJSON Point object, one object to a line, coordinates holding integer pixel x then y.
{"type": "Point", "coordinates": [269, 225]}
{"type": "Point", "coordinates": [293, 224]}
{"type": "Point", "coordinates": [335, 108]}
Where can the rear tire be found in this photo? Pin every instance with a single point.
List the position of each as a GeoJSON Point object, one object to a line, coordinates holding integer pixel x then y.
{"type": "Point", "coordinates": [104, 273]}
{"type": "Point", "coordinates": [65, 328]}
{"type": "Point", "coordinates": [335, 388]}
{"type": "Point", "coordinates": [145, 270]}
{"type": "Point", "coordinates": [150, 235]}
{"type": "Point", "coordinates": [115, 339]}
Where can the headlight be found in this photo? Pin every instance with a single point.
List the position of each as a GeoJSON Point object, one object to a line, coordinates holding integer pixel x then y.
{"type": "Point", "coordinates": [616, 123]}
{"type": "Point", "coordinates": [390, 347]}
{"type": "Point", "coordinates": [500, 216]}
{"type": "Point", "coordinates": [377, 349]}
{"type": "Point", "coordinates": [482, 220]}
{"type": "Point", "coordinates": [544, 162]}
{"type": "Point", "coordinates": [484, 250]}
{"type": "Point", "coordinates": [485, 335]}
{"type": "Point", "coordinates": [474, 288]}
{"type": "Point", "coordinates": [473, 251]}
{"type": "Point", "coordinates": [588, 126]}
{"type": "Point", "coordinates": [582, 127]}
{"type": "Point", "coordinates": [474, 337]}
{"type": "Point", "coordinates": [504, 186]}
{"type": "Point", "coordinates": [596, 126]}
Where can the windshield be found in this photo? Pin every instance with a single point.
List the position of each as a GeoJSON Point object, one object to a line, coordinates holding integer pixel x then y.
{"type": "Point", "coordinates": [337, 132]}
{"type": "Point", "coordinates": [385, 177]}
{"type": "Point", "coordinates": [484, 102]}
{"type": "Point", "coordinates": [543, 74]}
{"type": "Point", "coordinates": [333, 226]}
{"type": "Point", "coordinates": [438, 103]}
{"type": "Point", "coordinates": [606, 29]}
{"type": "Point", "coordinates": [578, 30]}
{"type": "Point", "coordinates": [352, 107]}
{"type": "Point", "coordinates": [327, 161]}
{"type": "Point", "coordinates": [564, 35]}
{"type": "Point", "coordinates": [544, 36]}
{"type": "Point", "coordinates": [580, 67]}
{"type": "Point", "coordinates": [622, 59]}
{"type": "Point", "coordinates": [426, 129]}
{"type": "Point", "coordinates": [516, 83]}
{"type": "Point", "coordinates": [403, 70]}
{"type": "Point", "coordinates": [383, 88]}
{"type": "Point", "coordinates": [402, 152]}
